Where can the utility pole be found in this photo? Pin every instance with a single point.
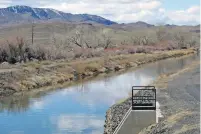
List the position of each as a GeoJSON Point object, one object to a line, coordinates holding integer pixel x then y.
{"type": "Point", "coordinates": [32, 32]}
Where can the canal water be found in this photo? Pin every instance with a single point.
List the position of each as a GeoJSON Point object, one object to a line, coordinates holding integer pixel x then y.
{"type": "Point", "coordinates": [78, 109]}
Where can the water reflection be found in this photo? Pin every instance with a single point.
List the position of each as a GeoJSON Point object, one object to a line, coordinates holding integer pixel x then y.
{"type": "Point", "coordinates": [21, 103]}
{"type": "Point", "coordinates": [15, 104]}
{"type": "Point", "coordinates": [77, 123]}
{"type": "Point", "coordinates": [80, 108]}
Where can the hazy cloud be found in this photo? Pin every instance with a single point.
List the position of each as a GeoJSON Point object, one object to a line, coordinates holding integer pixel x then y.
{"type": "Point", "coordinates": [77, 123]}
{"type": "Point", "coordinates": [188, 16]}
{"type": "Point", "coordinates": [151, 11]}
{"type": "Point", "coordinates": [5, 3]}
{"type": "Point", "coordinates": [38, 104]}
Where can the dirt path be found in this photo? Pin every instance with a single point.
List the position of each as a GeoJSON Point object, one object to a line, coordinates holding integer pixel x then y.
{"type": "Point", "coordinates": [179, 102]}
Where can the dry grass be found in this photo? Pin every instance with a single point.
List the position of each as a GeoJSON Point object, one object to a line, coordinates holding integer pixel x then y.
{"type": "Point", "coordinates": [37, 74]}
{"type": "Point", "coordinates": [186, 128]}
{"type": "Point", "coordinates": [54, 41]}
{"type": "Point", "coordinates": [178, 116]}
{"type": "Point", "coordinates": [172, 120]}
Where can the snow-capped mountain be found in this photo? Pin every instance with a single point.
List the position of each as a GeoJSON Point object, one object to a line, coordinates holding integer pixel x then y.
{"type": "Point", "coordinates": [15, 14]}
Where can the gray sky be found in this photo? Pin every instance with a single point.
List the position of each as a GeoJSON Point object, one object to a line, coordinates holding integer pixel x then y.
{"type": "Point", "coordinates": [151, 11]}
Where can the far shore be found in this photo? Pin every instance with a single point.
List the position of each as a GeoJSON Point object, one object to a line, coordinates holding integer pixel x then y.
{"type": "Point", "coordinates": [46, 74]}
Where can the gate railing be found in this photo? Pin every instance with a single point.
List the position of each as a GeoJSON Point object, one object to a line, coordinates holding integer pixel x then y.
{"type": "Point", "coordinates": [143, 98]}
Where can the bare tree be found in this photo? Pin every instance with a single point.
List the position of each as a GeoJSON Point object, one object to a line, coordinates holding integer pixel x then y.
{"type": "Point", "coordinates": [145, 40]}
{"type": "Point", "coordinates": [87, 44]}
{"type": "Point", "coordinates": [161, 33]}
{"type": "Point", "coordinates": [88, 38]}
{"type": "Point", "coordinates": [136, 40]}
{"type": "Point", "coordinates": [76, 39]}
{"type": "Point", "coordinates": [123, 42]}
{"type": "Point", "coordinates": [81, 38]}
{"type": "Point", "coordinates": [180, 40]}
{"type": "Point", "coordinates": [192, 42]}
{"type": "Point", "coordinates": [107, 40]}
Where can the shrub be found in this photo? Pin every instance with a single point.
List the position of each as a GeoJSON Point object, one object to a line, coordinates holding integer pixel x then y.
{"type": "Point", "coordinates": [132, 50]}
{"type": "Point", "coordinates": [95, 41]}
{"type": "Point", "coordinates": [18, 51]}
{"type": "Point", "coordinates": [140, 50]}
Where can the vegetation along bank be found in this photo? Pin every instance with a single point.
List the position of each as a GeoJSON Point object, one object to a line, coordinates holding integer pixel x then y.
{"type": "Point", "coordinates": [37, 74]}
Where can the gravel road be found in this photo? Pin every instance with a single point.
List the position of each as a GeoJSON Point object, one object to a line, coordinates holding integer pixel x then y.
{"type": "Point", "coordinates": [180, 105]}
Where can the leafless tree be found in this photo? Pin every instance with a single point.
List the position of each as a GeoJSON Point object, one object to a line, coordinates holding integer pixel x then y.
{"type": "Point", "coordinates": [81, 38]}
{"type": "Point", "coordinates": [124, 42]}
{"type": "Point", "coordinates": [76, 39]}
{"type": "Point", "coordinates": [136, 40]}
{"type": "Point", "coordinates": [145, 40]}
{"type": "Point", "coordinates": [107, 41]}
{"type": "Point", "coordinates": [180, 40]}
{"type": "Point", "coordinates": [161, 33]}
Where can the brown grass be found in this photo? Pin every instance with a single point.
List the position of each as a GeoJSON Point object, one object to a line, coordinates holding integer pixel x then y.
{"type": "Point", "coordinates": [186, 128]}
{"type": "Point", "coordinates": [34, 75]}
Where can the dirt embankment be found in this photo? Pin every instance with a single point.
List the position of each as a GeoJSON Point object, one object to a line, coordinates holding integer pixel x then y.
{"type": "Point", "coordinates": [178, 94]}
{"type": "Point", "coordinates": [34, 75]}
{"type": "Point", "coordinates": [179, 98]}
{"type": "Point", "coordinates": [115, 114]}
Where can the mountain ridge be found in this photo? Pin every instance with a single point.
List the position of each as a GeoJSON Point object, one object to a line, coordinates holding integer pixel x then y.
{"type": "Point", "coordinates": [20, 13]}
{"type": "Point", "coordinates": [25, 14]}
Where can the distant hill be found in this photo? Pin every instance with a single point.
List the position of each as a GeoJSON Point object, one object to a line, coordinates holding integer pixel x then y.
{"type": "Point", "coordinates": [140, 24]}
{"type": "Point", "coordinates": [170, 26]}
{"type": "Point", "coordinates": [25, 14]}
{"type": "Point", "coordinates": [132, 26]}
{"type": "Point", "coordinates": [18, 14]}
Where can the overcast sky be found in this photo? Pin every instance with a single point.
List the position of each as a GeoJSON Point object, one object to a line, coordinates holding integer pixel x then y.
{"type": "Point", "coordinates": [124, 11]}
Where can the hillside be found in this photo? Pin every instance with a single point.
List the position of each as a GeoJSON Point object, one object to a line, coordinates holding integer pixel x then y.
{"type": "Point", "coordinates": [119, 33]}
{"type": "Point", "coordinates": [19, 14]}
{"type": "Point", "coordinates": [57, 35]}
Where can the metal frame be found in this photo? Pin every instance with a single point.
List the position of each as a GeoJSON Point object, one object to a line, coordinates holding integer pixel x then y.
{"type": "Point", "coordinates": [146, 106]}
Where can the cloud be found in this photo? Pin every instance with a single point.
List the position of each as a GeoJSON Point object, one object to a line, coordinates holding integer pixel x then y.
{"type": "Point", "coordinates": [5, 3]}
{"type": "Point", "coordinates": [38, 104]}
{"type": "Point", "coordinates": [76, 123]}
{"type": "Point", "coordinates": [114, 8]}
{"type": "Point", "coordinates": [194, 10]}
{"type": "Point", "coordinates": [122, 11]}
{"type": "Point", "coordinates": [188, 16]}
{"type": "Point", "coordinates": [108, 91]}
{"type": "Point", "coordinates": [125, 11]}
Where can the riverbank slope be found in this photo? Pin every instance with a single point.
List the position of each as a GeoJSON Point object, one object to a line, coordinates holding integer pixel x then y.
{"type": "Point", "coordinates": [179, 103]}
{"type": "Point", "coordinates": [34, 75]}
{"type": "Point", "coordinates": [178, 94]}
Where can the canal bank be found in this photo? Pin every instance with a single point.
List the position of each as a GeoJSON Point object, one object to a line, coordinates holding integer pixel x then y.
{"type": "Point", "coordinates": [37, 75]}
{"type": "Point", "coordinates": [180, 103]}
{"type": "Point", "coordinates": [178, 95]}
{"type": "Point", "coordinates": [79, 108]}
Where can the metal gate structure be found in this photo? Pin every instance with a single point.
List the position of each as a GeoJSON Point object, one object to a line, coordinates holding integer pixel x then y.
{"type": "Point", "coordinates": [143, 98]}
